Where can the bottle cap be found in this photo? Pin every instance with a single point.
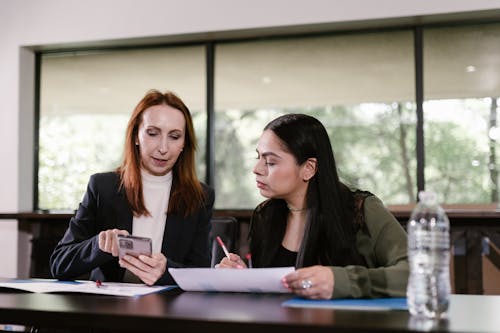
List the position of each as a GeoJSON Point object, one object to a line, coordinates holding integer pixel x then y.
{"type": "Point", "coordinates": [427, 197]}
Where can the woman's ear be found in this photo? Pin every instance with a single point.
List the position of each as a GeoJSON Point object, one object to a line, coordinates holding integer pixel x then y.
{"type": "Point", "coordinates": [309, 169]}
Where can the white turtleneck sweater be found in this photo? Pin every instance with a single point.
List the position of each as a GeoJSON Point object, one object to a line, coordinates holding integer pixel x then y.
{"type": "Point", "coordinates": [156, 194]}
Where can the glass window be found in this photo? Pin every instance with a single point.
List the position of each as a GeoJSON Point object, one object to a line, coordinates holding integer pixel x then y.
{"type": "Point", "coordinates": [86, 101]}
{"type": "Point", "coordinates": [462, 86]}
{"type": "Point", "coordinates": [361, 86]}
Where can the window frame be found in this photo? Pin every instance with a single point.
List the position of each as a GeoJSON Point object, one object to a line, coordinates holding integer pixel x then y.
{"type": "Point", "coordinates": [418, 31]}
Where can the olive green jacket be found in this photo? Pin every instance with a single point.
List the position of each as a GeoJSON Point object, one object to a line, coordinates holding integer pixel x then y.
{"type": "Point", "coordinates": [383, 245]}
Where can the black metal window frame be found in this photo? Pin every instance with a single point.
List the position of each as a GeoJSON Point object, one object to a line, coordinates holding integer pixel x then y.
{"type": "Point", "coordinates": [210, 54]}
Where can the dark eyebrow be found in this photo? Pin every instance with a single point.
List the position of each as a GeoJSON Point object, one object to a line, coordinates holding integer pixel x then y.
{"type": "Point", "coordinates": [268, 153]}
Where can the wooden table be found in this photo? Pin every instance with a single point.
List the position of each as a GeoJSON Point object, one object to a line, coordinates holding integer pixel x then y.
{"type": "Point", "coordinates": [177, 311]}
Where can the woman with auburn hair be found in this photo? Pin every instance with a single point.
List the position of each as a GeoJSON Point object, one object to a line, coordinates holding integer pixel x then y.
{"type": "Point", "coordinates": [342, 242]}
{"type": "Point", "coordinates": [154, 193]}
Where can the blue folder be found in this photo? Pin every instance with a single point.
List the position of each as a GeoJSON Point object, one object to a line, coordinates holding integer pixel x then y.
{"type": "Point", "coordinates": [375, 304]}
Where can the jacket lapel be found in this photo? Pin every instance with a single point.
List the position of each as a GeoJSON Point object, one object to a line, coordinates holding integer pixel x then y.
{"type": "Point", "coordinates": [171, 233]}
{"type": "Point", "coordinates": [123, 213]}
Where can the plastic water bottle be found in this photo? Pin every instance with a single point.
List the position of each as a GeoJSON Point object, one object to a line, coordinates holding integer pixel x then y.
{"type": "Point", "coordinates": [428, 229]}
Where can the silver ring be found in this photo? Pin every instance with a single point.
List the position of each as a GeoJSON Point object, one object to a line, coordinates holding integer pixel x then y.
{"type": "Point", "coordinates": [306, 284]}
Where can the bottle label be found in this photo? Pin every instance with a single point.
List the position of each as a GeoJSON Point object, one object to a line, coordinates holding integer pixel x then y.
{"type": "Point", "coordinates": [436, 239]}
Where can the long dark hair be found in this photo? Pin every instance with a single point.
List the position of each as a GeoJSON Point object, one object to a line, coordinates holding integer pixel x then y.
{"type": "Point", "coordinates": [187, 194]}
{"type": "Point", "coordinates": [329, 236]}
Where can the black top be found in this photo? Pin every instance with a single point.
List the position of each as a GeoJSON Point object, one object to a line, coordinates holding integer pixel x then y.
{"type": "Point", "coordinates": [284, 258]}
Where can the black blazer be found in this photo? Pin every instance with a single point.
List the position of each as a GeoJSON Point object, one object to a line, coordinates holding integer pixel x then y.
{"type": "Point", "coordinates": [104, 206]}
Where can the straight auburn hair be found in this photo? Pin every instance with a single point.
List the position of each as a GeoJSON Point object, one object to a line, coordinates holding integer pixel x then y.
{"type": "Point", "coordinates": [187, 194]}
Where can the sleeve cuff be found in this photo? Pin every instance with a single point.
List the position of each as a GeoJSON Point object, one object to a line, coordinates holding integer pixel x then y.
{"type": "Point", "coordinates": [342, 285]}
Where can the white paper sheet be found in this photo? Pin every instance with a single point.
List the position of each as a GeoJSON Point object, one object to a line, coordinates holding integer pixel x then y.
{"type": "Point", "coordinates": [90, 287]}
{"type": "Point", "coordinates": [255, 280]}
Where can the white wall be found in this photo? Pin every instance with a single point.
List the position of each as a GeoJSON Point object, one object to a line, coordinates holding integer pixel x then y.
{"type": "Point", "coordinates": [26, 24]}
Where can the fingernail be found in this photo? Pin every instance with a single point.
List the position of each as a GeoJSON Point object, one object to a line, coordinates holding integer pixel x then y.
{"type": "Point", "coordinates": [239, 266]}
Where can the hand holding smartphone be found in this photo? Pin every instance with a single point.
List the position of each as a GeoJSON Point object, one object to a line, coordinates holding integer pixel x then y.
{"type": "Point", "coordinates": [133, 245]}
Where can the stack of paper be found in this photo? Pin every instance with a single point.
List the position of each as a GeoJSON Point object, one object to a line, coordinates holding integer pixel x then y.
{"type": "Point", "coordinates": [105, 288]}
{"type": "Point", "coordinates": [255, 280]}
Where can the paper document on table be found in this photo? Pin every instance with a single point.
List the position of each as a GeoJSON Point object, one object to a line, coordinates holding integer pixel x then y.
{"type": "Point", "coordinates": [255, 280]}
{"type": "Point", "coordinates": [90, 287]}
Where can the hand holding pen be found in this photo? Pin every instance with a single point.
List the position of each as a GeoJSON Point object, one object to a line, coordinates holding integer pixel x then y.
{"type": "Point", "coordinates": [231, 260]}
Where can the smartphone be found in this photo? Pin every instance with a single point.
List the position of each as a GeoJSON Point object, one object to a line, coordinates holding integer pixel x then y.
{"type": "Point", "coordinates": [133, 245]}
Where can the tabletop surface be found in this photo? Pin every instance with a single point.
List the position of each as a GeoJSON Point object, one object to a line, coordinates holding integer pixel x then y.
{"type": "Point", "coordinates": [176, 311]}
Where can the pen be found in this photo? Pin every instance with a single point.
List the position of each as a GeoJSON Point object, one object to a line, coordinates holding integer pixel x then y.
{"type": "Point", "coordinates": [221, 243]}
{"type": "Point", "coordinates": [249, 259]}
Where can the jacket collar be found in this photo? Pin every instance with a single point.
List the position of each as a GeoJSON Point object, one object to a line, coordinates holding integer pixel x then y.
{"type": "Point", "coordinates": [123, 212]}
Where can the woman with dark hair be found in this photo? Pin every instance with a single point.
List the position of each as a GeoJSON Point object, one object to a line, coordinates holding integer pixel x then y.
{"type": "Point", "coordinates": [343, 243]}
{"type": "Point", "coordinates": [154, 193]}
